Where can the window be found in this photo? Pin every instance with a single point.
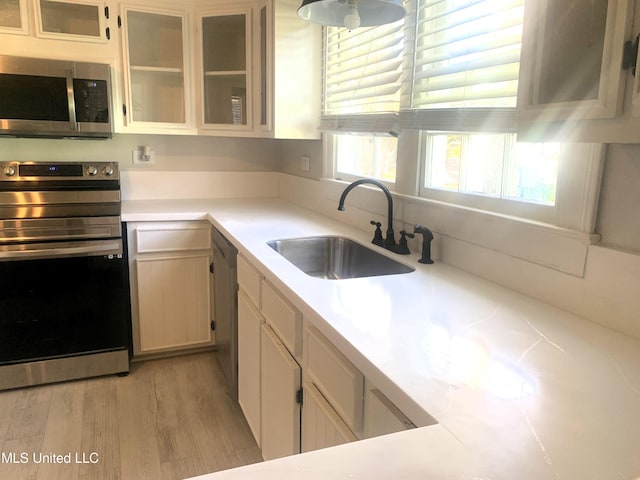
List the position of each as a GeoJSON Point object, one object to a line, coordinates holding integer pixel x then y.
{"type": "Point", "coordinates": [363, 69]}
{"type": "Point", "coordinates": [467, 53]}
{"type": "Point", "coordinates": [370, 156]}
{"type": "Point", "coordinates": [444, 82]}
{"type": "Point", "coordinates": [362, 85]}
{"type": "Point", "coordinates": [491, 171]}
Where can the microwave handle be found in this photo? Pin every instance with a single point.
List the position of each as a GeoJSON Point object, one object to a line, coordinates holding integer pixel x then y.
{"type": "Point", "coordinates": [73, 124]}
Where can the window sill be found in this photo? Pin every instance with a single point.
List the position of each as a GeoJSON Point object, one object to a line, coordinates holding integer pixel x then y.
{"type": "Point", "coordinates": [555, 247]}
{"type": "Point", "coordinates": [543, 244]}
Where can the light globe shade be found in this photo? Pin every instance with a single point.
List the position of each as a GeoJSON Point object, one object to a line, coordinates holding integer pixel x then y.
{"type": "Point", "coordinates": [333, 12]}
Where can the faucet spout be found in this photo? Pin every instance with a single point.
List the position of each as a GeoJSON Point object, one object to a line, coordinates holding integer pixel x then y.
{"type": "Point", "coordinates": [390, 241]}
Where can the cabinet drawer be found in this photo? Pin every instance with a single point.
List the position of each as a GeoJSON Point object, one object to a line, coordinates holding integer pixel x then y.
{"type": "Point", "coordinates": [172, 237]}
{"type": "Point", "coordinates": [249, 280]}
{"type": "Point", "coordinates": [338, 380]}
{"type": "Point", "coordinates": [283, 317]}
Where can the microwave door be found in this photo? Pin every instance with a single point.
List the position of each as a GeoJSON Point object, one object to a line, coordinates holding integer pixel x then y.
{"type": "Point", "coordinates": [32, 104]}
{"type": "Point", "coordinates": [54, 98]}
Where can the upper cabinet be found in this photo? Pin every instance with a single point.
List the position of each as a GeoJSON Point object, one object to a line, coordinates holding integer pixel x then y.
{"type": "Point", "coordinates": [225, 75]}
{"type": "Point", "coordinates": [72, 20]}
{"type": "Point", "coordinates": [13, 17]}
{"type": "Point", "coordinates": [290, 58]}
{"type": "Point", "coordinates": [247, 68]}
{"type": "Point", "coordinates": [575, 83]}
{"type": "Point", "coordinates": [78, 30]}
{"type": "Point", "coordinates": [76, 20]}
{"type": "Point", "coordinates": [259, 70]}
{"type": "Point", "coordinates": [157, 71]}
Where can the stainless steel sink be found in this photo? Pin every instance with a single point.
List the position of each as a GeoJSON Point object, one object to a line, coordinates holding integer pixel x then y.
{"type": "Point", "coordinates": [334, 257]}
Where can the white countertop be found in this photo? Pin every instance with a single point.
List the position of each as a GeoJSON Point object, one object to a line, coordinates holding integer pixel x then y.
{"type": "Point", "coordinates": [520, 390]}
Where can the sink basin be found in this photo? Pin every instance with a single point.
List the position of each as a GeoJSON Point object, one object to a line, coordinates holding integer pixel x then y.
{"type": "Point", "coordinates": [335, 258]}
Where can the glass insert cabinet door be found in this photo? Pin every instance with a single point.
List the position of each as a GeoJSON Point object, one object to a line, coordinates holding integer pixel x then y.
{"type": "Point", "coordinates": [83, 19]}
{"type": "Point", "coordinates": [13, 16]}
{"type": "Point", "coordinates": [571, 58]}
{"type": "Point", "coordinates": [226, 69]}
{"type": "Point", "coordinates": [156, 60]}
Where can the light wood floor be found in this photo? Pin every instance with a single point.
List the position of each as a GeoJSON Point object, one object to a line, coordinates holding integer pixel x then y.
{"type": "Point", "coordinates": [169, 419]}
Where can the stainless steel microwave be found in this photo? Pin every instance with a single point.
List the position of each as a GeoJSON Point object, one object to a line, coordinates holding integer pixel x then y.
{"type": "Point", "coordinates": [54, 98]}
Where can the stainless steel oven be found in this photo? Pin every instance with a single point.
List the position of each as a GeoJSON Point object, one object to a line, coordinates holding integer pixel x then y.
{"type": "Point", "coordinates": [64, 288]}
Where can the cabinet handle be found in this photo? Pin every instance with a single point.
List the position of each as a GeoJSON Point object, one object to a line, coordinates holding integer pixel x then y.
{"type": "Point", "coordinates": [108, 33]}
{"type": "Point", "coordinates": [119, 21]}
{"type": "Point", "coordinates": [630, 55]}
{"type": "Point", "coordinates": [106, 12]}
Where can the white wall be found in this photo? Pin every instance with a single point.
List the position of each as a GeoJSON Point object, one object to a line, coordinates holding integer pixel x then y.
{"type": "Point", "coordinates": [171, 152]}
{"type": "Point", "coordinates": [619, 207]}
{"type": "Point", "coordinates": [604, 290]}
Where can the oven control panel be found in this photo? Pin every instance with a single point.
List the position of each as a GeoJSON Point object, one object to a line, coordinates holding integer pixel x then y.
{"type": "Point", "coordinates": [25, 171]}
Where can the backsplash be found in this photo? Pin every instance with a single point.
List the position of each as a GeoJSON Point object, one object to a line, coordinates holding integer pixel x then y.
{"type": "Point", "coordinates": [150, 185]}
{"type": "Point", "coordinates": [605, 291]}
{"type": "Point", "coordinates": [171, 152]}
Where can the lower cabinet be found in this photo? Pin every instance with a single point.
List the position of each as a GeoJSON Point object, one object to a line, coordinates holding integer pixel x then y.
{"type": "Point", "coordinates": [173, 302]}
{"type": "Point", "coordinates": [381, 416]}
{"type": "Point", "coordinates": [322, 426]}
{"type": "Point", "coordinates": [278, 350]}
{"type": "Point", "coordinates": [249, 385]}
{"type": "Point", "coordinates": [335, 377]}
{"type": "Point", "coordinates": [170, 286]}
{"type": "Point", "coordinates": [280, 379]}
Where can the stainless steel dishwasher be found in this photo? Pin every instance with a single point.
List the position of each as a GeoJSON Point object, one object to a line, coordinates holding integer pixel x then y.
{"type": "Point", "coordinates": [225, 308]}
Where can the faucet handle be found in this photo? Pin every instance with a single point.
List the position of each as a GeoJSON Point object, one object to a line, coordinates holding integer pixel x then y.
{"type": "Point", "coordinates": [377, 236]}
{"type": "Point", "coordinates": [403, 248]}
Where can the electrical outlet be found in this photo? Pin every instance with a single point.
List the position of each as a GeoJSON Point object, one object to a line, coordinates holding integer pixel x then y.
{"type": "Point", "coordinates": [139, 157]}
{"type": "Point", "coordinates": [305, 163]}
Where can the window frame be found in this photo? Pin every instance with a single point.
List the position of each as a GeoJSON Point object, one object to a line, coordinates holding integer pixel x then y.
{"type": "Point", "coordinates": [330, 146]}
{"type": "Point", "coordinates": [579, 174]}
{"type": "Point", "coordinates": [575, 205]}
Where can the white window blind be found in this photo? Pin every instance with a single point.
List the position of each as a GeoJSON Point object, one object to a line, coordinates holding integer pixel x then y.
{"type": "Point", "coordinates": [363, 73]}
{"type": "Point", "coordinates": [467, 53]}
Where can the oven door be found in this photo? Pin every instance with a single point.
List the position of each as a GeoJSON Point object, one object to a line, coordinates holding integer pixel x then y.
{"type": "Point", "coordinates": [59, 307]}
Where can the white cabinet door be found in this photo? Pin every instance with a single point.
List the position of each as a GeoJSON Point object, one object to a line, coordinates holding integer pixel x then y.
{"type": "Point", "coordinates": [321, 425]}
{"type": "Point", "coordinates": [225, 70]}
{"type": "Point", "coordinates": [82, 20]}
{"type": "Point", "coordinates": [156, 56]}
{"type": "Point", "coordinates": [571, 63]}
{"type": "Point", "coordinates": [173, 302]}
{"type": "Point", "coordinates": [13, 17]}
{"type": "Point", "coordinates": [340, 382]}
{"type": "Point", "coordinates": [281, 410]}
{"type": "Point", "coordinates": [289, 54]}
{"type": "Point", "coordinates": [249, 328]}
{"type": "Point", "coordinates": [381, 416]}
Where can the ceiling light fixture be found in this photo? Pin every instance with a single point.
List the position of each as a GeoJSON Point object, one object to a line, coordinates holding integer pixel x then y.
{"type": "Point", "coordinates": [351, 13]}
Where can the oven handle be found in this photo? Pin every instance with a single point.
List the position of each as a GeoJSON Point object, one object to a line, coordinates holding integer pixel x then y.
{"type": "Point", "coordinates": [61, 250]}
